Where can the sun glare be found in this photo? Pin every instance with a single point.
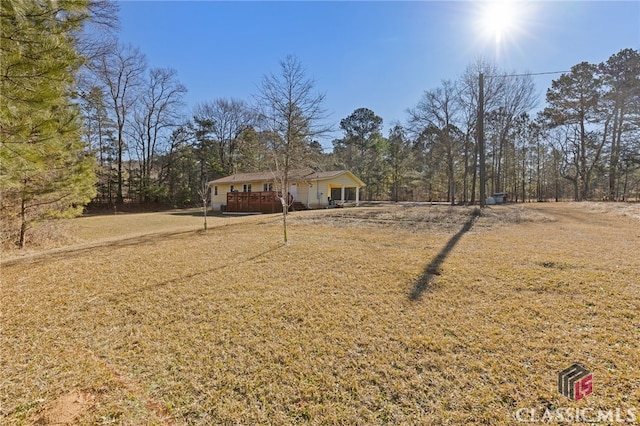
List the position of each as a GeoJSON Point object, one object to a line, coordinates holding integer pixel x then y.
{"type": "Point", "coordinates": [498, 18]}
{"type": "Point", "coordinates": [501, 24]}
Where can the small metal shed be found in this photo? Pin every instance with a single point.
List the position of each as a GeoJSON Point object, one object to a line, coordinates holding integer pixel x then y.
{"type": "Point", "coordinates": [500, 197]}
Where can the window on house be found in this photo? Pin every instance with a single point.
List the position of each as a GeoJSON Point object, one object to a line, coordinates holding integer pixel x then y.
{"type": "Point", "coordinates": [231, 188]}
{"type": "Point", "coordinates": [246, 187]}
{"type": "Point", "coordinates": [215, 190]}
{"type": "Point", "coordinates": [267, 187]}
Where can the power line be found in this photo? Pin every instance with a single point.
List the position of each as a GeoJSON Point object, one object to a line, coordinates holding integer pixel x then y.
{"type": "Point", "coordinates": [529, 74]}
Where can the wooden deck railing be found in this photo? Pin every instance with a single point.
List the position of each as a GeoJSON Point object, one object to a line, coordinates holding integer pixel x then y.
{"type": "Point", "coordinates": [253, 202]}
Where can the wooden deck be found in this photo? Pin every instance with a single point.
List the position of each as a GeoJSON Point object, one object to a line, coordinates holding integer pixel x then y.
{"type": "Point", "coordinates": [253, 202]}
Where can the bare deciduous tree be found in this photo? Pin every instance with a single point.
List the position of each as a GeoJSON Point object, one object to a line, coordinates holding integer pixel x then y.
{"type": "Point", "coordinates": [120, 72]}
{"type": "Point", "coordinates": [99, 31]}
{"type": "Point", "coordinates": [226, 119]}
{"type": "Point", "coordinates": [468, 96]}
{"type": "Point", "coordinates": [157, 114]}
{"type": "Point", "coordinates": [204, 192]}
{"type": "Point", "coordinates": [292, 113]}
{"type": "Point", "coordinates": [438, 110]}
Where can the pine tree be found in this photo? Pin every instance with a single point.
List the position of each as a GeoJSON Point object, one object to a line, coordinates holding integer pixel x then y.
{"type": "Point", "coordinates": [574, 101]}
{"type": "Point", "coordinates": [363, 149]}
{"type": "Point", "coordinates": [45, 168]}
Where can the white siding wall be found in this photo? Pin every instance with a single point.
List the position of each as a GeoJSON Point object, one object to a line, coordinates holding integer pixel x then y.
{"type": "Point", "coordinates": [303, 193]}
{"type": "Point", "coordinates": [319, 195]}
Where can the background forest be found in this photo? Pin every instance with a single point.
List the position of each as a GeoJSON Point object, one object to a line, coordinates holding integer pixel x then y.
{"type": "Point", "coordinates": [87, 123]}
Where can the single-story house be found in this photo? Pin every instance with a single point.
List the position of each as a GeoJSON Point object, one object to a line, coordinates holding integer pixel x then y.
{"type": "Point", "coordinates": [253, 192]}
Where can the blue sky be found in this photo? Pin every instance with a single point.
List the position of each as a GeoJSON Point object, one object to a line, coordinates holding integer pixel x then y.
{"type": "Point", "coordinates": [378, 55]}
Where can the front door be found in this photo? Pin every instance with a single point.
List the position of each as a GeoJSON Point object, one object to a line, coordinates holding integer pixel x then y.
{"type": "Point", "coordinates": [293, 190]}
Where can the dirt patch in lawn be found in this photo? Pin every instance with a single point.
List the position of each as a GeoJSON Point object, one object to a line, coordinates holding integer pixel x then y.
{"type": "Point", "coordinates": [66, 409]}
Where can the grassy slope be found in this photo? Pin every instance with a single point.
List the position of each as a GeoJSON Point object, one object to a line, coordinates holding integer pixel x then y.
{"type": "Point", "coordinates": [355, 322]}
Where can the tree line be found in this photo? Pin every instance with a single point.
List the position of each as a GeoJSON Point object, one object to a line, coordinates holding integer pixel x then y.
{"type": "Point", "coordinates": [86, 120]}
{"type": "Point", "coordinates": [583, 145]}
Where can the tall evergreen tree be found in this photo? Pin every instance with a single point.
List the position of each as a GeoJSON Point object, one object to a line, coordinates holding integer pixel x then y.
{"type": "Point", "coordinates": [573, 101]}
{"type": "Point", "coordinates": [400, 160]}
{"type": "Point", "coordinates": [621, 77]}
{"type": "Point", "coordinates": [363, 149]}
{"type": "Point", "coordinates": [45, 170]}
{"type": "Point", "coordinates": [99, 134]}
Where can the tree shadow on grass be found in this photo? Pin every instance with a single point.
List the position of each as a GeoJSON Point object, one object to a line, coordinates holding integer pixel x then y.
{"type": "Point", "coordinates": [423, 283]}
{"type": "Point", "coordinates": [193, 275]}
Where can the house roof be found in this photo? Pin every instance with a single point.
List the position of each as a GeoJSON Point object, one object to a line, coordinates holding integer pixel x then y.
{"type": "Point", "coordinates": [294, 176]}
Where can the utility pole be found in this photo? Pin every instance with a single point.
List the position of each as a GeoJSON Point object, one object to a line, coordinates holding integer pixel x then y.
{"type": "Point", "coordinates": [481, 138]}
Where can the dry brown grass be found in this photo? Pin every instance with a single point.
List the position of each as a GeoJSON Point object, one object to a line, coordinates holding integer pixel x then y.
{"type": "Point", "coordinates": [393, 314]}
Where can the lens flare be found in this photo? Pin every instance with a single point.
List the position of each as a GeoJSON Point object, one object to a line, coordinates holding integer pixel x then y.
{"type": "Point", "coordinates": [499, 18]}
{"type": "Point", "coordinates": [502, 22]}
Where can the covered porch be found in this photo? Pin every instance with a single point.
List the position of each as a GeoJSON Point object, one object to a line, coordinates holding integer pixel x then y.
{"type": "Point", "coordinates": [341, 194]}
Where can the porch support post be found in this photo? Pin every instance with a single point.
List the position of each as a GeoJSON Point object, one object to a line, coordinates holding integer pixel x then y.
{"type": "Point", "coordinates": [342, 194]}
{"type": "Point", "coordinates": [357, 195]}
